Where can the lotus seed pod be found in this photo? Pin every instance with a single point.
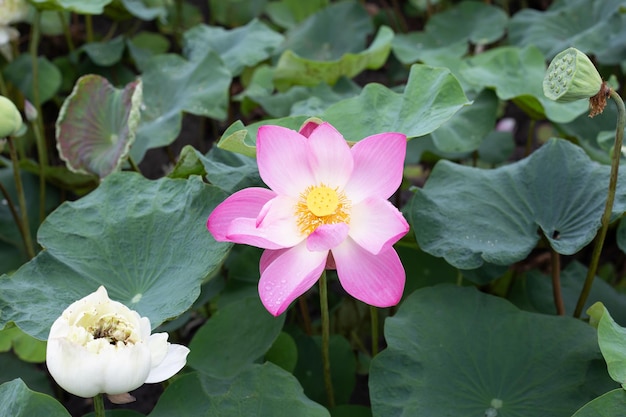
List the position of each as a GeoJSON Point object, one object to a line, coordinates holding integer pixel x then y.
{"type": "Point", "coordinates": [571, 76]}
{"type": "Point", "coordinates": [10, 118]}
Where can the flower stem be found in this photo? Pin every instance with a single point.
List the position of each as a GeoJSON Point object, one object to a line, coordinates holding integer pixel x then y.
{"type": "Point", "coordinates": [42, 154]}
{"type": "Point", "coordinates": [28, 242]}
{"type": "Point", "coordinates": [556, 282]}
{"type": "Point", "coordinates": [530, 137]}
{"type": "Point", "coordinates": [66, 31]}
{"type": "Point", "coordinates": [374, 318]}
{"type": "Point", "coordinates": [326, 341]}
{"type": "Point", "coordinates": [608, 208]}
{"type": "Point", "coordinates": [98, 405]}
{"type": "Point", "coordinates": [89, 28]}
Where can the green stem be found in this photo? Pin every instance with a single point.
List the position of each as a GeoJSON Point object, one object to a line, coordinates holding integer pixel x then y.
{"type": "Point", "coordinates": [608, 208]}
{"type": "Point", "coordinates": [133, 165]}
{"type": "Point", "coordinates": [42, 154]}
{"type": "Point", "coordinates": [66, 32]}
{"type": "Point", "coordinates": [530, 137]}
{"type": "Point", "coordinates": [328, 383]}
{"type": "Point", "coordinates": [16, 216]}
{"type": "Point", "coordinates": [28, 242]}
{"type": "Point", "coordinates": [306, 318]}
{"type": "Point", "coordinates": [89, 28]}
{"type": "Point", "coordinates": [556, 282]}
{"type": "Point", "coordinates": [374, 318]}
{"type": "Point", "coordinates": [98, 405]}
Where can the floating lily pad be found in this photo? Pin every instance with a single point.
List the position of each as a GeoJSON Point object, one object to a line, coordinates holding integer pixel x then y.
{"type": "Point", "coordinates": [16, 400]}
{"type": "Point", "coordinates": [145, 241]}
{"type": "Point", "coordinates": [262, 390]}
{"type": "Point", "coordinates": [171, 85]}
{"type": "Point", "coordinates": [516, 74]}
{"type": "Point", "coordinates": [557, 190]}
{"type": "Point", "coordinates": [454, 351]}
{"type": "Point", "coordinates": [238, 48]}
{"type": "Point", "coordinates": [146, 9]}
{"type": "Point", "coordinates": [96, 125]}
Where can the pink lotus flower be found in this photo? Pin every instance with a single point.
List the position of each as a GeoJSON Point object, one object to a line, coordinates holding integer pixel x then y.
{"type": "Point", "coordinates": [326, 208]}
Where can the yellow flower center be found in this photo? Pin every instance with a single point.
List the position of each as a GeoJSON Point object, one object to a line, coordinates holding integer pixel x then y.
{"type": "Point", "coordinates": [320, 205]}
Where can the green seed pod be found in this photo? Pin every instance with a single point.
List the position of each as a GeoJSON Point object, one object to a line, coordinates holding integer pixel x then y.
{"type": "Point", "coordinates": [571, 76]}
{"type": "Point", "coordinates": [10, 118]}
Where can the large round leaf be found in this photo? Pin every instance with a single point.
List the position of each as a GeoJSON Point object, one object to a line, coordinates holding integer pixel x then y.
{"type": "Point", "coordinates": [611, 404]}
{"type": "Point", "coordinates": [588, 26]}
{"type": "Point", "coordinates": [517, 74]}
{"type": "Point", "coordinates": [431, 96]}
{"type": "Point", "coordinates": [235, 336]}
{"type": "Point", "coordinates": [20, 73]}
{"type": "Point", "coordinates": [16, 400]}
{"type": "Point", "coordinates": [171, 85]}
{"type": "Point", "coordinates": [557, 189]}
{"type": "Point", "coordinates": [96, 125]}
{"type": "Point", "coordinates": [262, 390]}
{"type": "Point", "coordinates": [239, 48]}
{"type": "Point", "coordinates": [454, 351]}
{"type": "Point", "coordinates": [145, 241]}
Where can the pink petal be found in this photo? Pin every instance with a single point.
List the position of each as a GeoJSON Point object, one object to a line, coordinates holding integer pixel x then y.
{"type": "Point", "coordinates": [308, 128]}
{"type": "Point", "coordinates": [377, 280]}
{"type": "Point", "coordinates": [376, 224]}
{"type": "Point", "coordinates": [378, 166]}
{"type": "Point", "coordinates": [290, 274]}
{"type": "Point", "coordinates": [282, 157]}
{"type": "Point", "coordinates": [274, 228]}
{"type": "Point", "coordinates": [330, 157]}
{"type": "Point", "coordinates": [327, 236]}
{"type": "Point", "coordinates": [246, 203]}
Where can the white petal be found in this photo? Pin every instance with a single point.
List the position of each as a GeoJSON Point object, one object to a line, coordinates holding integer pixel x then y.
{"type": "Point", "coordinates": [173, 362]}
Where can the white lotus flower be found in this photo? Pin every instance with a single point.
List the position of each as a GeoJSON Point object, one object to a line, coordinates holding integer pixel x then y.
{"type": "Point", "coordinates": [11, 11]}
{"type": "Point", "coordinates": [101, 346]}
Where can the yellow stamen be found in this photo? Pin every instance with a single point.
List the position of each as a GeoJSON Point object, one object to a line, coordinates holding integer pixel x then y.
{"type": "Point", "coordinates": [320, 205]}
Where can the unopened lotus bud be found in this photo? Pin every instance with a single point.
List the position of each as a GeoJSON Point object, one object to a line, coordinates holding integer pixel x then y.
{"type": "Point", "coordinates": [30, 111]}
{"type": "Point", "coordinates": [571, 76]}
{"type": "Point", "coordinates": [10, 118]}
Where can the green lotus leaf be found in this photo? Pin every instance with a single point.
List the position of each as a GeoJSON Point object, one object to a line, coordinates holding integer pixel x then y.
{"type": "Point", "coordinates": [611, 404]}
{"type": "Point", "coordinates": [261, 390]}
{"type": "Point", "coordinates": [171, 85]}
{"type": "Point", "coordinates": [105, 54]}
{"type": "Point", "coordinates": [76, 6]}
{"type": "Point", "coordinates": [611, 338]}
{"type": "Point", "coordinates": [424, 46]}
{"type": "Point", "coordinates": [588, 26]}
{"type": "Point", "coordinates": [517, 73]}
{"type": "Point", "coordinates": [465, 131]}
{"type": "Point", "coordinates": [454, 351]}
{"type": "Point", "coordinates": [238, 48]}
{"type": "Point", "coordinates": [235, 13]}
{"type": "Point", "coordinates": [431, 97]}
{"type": "Point", "coordinates": [293, 69]}
{"type": "Point", "coordinates": [16, 400]}
{"type": "Point", "coordinates": [20, 73]}
{"type": "Point", "coordinates": [288, 13]}
{"type": "Point", "coordinates": [242, 139]}
{"type": "Point", "coordinates": [557, 190]}
{"type": "Point", "coordinates": [145, 241]}
{"type": "Point", "coordinates": [533, 291]}
{"type": "Point", "coordinates": [146, 9]}
{"type": "Point", "coordinates": [223, 333]}
{"type": "Point", "coordinates": [145, 45]}
{"type": "Point", "coordinates": [96, 125]}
